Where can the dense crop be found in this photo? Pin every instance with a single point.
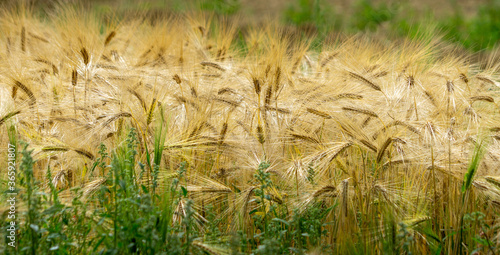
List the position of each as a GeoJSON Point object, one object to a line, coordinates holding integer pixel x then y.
{"type": "Point", "coordinates": [162, 136]}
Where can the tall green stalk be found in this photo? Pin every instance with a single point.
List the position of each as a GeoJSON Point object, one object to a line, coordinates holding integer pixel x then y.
{"type": "Point", "coordinates": [477, 155]}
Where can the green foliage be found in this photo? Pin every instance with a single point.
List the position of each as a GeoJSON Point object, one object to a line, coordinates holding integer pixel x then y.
{"type": "Point", "coordinates": [122, 218]}
{"type": "Point", "coordinates": [100, 162]}
{"type": "Point", "coordinates": [405, 238]}
{"type": "Point", "coordinates": [281, 232]}
{"type": "Point", "coordinates": [311, 13]}
{"type": "Point", "coordinates": [478, 32]}
{"type": "Point", "coordinates": [473, 165]}
{"type": "Point", "coordinates": [482, 241]}
{"type": "Point", "coordinates": [369, 16]}
{"type": "Point", "coordinates": [485, 26]}
{"type": "Point", "coordinates": [12, 133]}
{"type": "Point", "coordinates": [33, 200]}
{"type": "Point", "coordinates": [221, 7]}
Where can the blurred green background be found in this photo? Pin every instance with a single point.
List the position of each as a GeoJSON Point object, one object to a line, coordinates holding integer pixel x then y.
{"type": "Point", "coordinates": [472, 25]}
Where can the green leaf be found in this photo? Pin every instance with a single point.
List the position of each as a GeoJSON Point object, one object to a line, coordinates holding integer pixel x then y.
{"type": "Point", "coordinates": [144, 189]}
{"type": "Point", "coordinates": [34, 227]}
{"type": "Point", "coordinates": [473, 166]}
{"type": "Point", "coordinates": [184, 191]}
{"type": "Point", "coordinates": [53, 209]}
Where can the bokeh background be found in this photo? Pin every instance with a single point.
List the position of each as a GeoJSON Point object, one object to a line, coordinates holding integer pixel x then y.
{"type": "Point", "coordinates": [473, 25]}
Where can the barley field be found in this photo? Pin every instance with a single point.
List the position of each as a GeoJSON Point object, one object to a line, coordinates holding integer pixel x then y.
{"type": "Point", "coordinates": [167, 136]}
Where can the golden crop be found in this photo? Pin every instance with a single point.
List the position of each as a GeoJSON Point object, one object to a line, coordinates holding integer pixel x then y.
{"type": "Point", "coordinates": [369, 125]}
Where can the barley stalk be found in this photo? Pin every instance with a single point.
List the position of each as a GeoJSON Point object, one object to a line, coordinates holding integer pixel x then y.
{"type": "Point", "coordinates": [365, 81]}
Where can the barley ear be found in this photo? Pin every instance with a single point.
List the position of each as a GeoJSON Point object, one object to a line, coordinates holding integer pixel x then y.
{"type": "Point", "coordinates": [382, 149]}
{"type": "Point", "coordinates": [23, 39]}
{"type": "Point", "coordinates": [26, 90]}
{"type": "Point", "coordinates": [483, 98]}
{"type": "Point", "coordinates": [8, 116]}
{"type": "Point", "coordinates": [177, 79]}
{"type": "Point", "coordinates": [260, 134]}
{"type": "Point", "coordinates": [109, 38]}
{"type": "Point", "coordinates": [74, 77]}
{"type": "Point", "coordinates": [256, 85]}
{"type": "Point", "coordinates": [151, 111]}
{"type": "Point", "coordinates": [85, 56]}
{"type": "Point", "coordinates": [319, 113]}
{"type": "Point", "coordinates": [365, 81]}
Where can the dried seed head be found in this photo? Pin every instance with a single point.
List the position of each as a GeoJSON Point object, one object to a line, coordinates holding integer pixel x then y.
{"type": "Point", "coordinates": [430, 97]}
{"type": "Point", "coordinates": [214, 65]}
{"type": "Point", "coordinates": [319, 113]}
{"type": "Point", "coordinates": [493, 180]}
{"type": "Point", "coordinates": [115, 117]}
{"type": "Point", "coordinates": [278, 78]}
{"type": "Point", "coordinates": [280, 110]}
{"type": "Point", "coordinates": [495, 129]}
{"type": "Point", "coordinates": [364, 80]}
{"type": "Point", "coordinates": [260, 134]}
{"type": "Point", "coordinates": [383, 148]}
{"type": "Point", "coordinates": [193, 92]}
{"type": "Point", "coordinates": [464, 78]}
{"type": "Point", "coordinates": [345, 192]}
{"type": "Point", "coordinates": [26, 90]}
{"type": "Point", "coordinates": [411, 81]}
{"type": "Point", "coordinates": [328, 59]}
{"type": "Point", "coordinates": [269, 93]}
{"type": "Point", "coordinates": [227, 101]}
{"type": "Point", "coordinates": [485, 79]}
{"type": "Point", "coordinates": [366, 121]}
{"type": "Point", "coordinates": [8, 116]}
{"type": "Point", "coordinates": [177, 79]}
{"type": "Point", "coordinates": [14, 92]}
{"type": "Point", "coordinates": [223, 132]}
{"type": "Point", "coordinates": [305, 138]}
{"type": "Point", "coordinates": [143, 104]}
{"type": "Point", "coordinates": [202, 30]}
{"type": "Point", "coordinates": [450, 87]}
{"type": "Point", "coordinates": [74, 77]}
{"type": "Point", "coordinates": [482, 98]}
{"type": "Point", "coordinates": [363, 111]}
{"type": "Point", "coordinates": [349, 96]}
{"type": "Point", "coordinates": [324, 190]}
{"type": "Point", "coordinates": [256, 85]}
{"type": "Point", "coordinates": [85, 153]}
{"type": "Point", "coordinates": [296, 64]}
{"type": "Point", "coordinates": [109, 38]}
{"type": "Point", "coordinates": [85, 56]}
{"type": "Point", "coordinates": [380, 74]}
{"type": "Point", "coordinates": [226, 90]}
{"type": "Point", "coordinates": [268, 69]}
{"type": "Point", "coordinates": [23, 39]}
{"type": "Point", "coordinates": [55, 71]}
{"type": "Point", "coordinates": [369, 145]}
